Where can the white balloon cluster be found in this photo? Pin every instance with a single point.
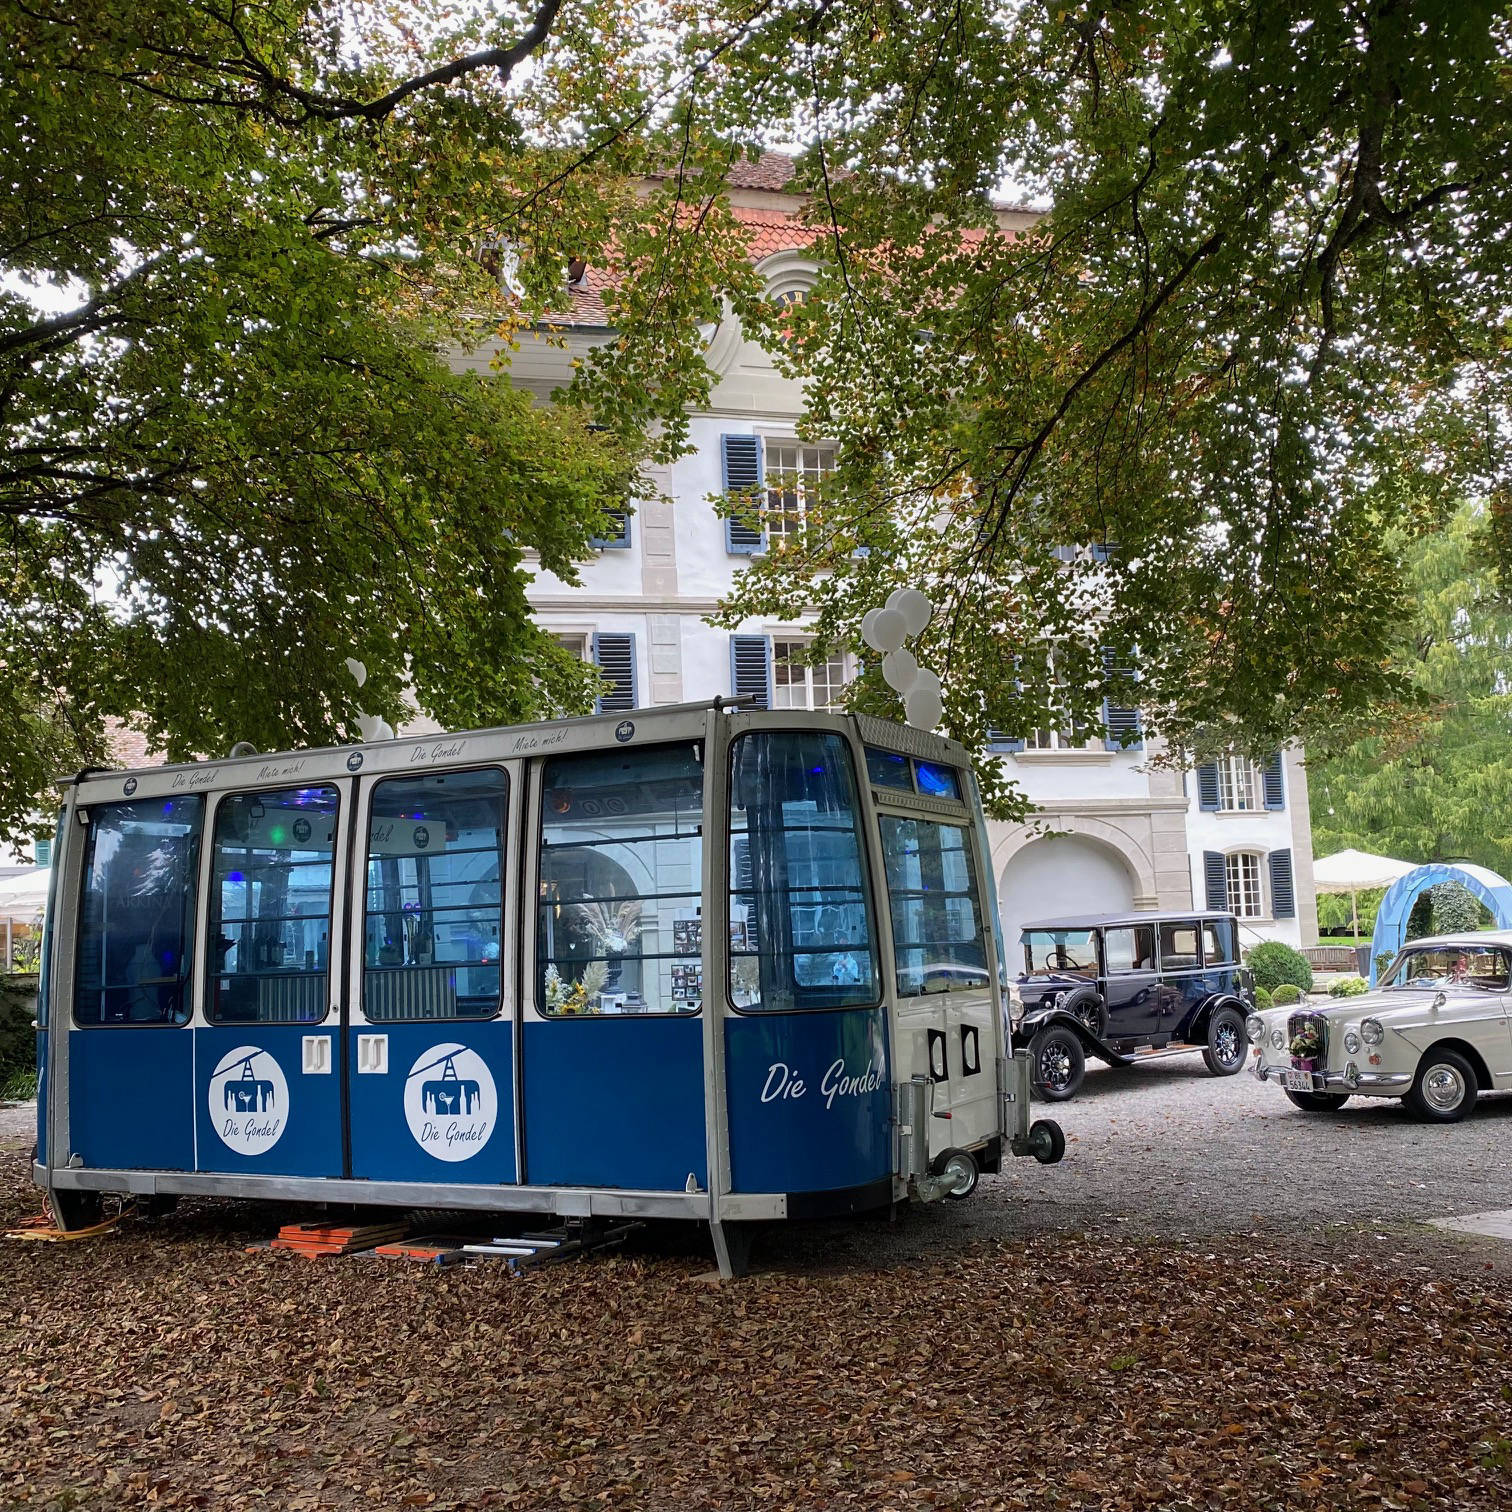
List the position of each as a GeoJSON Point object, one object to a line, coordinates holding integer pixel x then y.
{"type": "Point", "coordinates": [371, 726]}
{"type": "Point", "coordinates": [907, 613]}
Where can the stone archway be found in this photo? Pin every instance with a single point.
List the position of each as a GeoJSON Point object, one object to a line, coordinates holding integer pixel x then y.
{"type": "Point", "coordinates": [1391, 918]}
{"type": "Point", "coordinates": [1063, 873]}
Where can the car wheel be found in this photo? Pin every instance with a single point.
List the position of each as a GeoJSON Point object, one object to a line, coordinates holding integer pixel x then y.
{"type": "Point", "coordinates": [1226, 1043]}
{"type": "Point", "coordinates": [1444, 1089]}
{"type": "Point", "coordinates": [1318, 1102]}
{"type": "Point", "coordinates": [1090, 1009]}
{"type": "Point", "coordinates": [1058, 1062]}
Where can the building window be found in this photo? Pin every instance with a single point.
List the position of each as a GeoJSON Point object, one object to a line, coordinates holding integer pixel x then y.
{"type": "Point", "coordinates": [1241, 788]}
{"type": "Point", "coordinates": [1242, 873]}
{"type": "Point", "coordinates": [798, 685]}
{"type": "Point", "coordinates": [575, 645]}
{"type": "Point", "coordinates": [795, 475]}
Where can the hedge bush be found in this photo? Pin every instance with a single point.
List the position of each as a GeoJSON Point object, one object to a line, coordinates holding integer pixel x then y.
{"type": "Point", "coordinates": [1263, 1000]}
{"type": "Point", "coordinates": [1274, 963]}
{"type": "Point", "coordinates": [1349, 986]}
{"type": "Point", "coordinates": [1286, 994]}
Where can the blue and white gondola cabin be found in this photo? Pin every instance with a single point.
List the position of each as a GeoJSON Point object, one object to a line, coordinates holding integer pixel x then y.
{"type": "Point", "coordinates": [705, 963]}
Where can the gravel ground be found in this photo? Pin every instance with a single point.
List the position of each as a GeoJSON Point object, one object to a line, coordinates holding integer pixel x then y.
{"type": "Point", "coordinates": [1162, 1149]}
{"type": "Point", "coordinates": [17, 1121]}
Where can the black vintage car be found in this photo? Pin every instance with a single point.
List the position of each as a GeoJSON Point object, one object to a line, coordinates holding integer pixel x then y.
{"type": "Point", "coordinates": [1110, 984]}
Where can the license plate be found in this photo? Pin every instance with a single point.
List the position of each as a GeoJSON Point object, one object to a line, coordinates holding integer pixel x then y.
{"type": "Point", "coordinates": [1299, 1081]}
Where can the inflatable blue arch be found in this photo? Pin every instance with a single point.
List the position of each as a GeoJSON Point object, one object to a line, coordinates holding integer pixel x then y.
{"type": "Point", "coordinates": [1391, 918]}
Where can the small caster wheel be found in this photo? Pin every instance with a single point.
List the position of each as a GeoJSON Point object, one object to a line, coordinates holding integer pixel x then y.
{"type": "Point", "coordinates": [962, 1165]}
{"type": "Point", "coordinates": [1046, 1141]}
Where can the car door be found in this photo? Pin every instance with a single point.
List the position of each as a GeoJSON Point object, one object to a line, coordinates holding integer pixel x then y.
{"type": "Point", "coordinates": [1132, 982]}
{"type": "Point", "coordinates": [1182, 984]}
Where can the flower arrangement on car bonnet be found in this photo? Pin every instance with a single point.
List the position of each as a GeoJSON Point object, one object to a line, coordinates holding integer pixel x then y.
{"type": "Point", "coordinates": [1307, 1042]}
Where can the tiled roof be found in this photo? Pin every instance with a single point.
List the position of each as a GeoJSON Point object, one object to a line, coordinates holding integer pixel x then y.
{"type": "Point", "coordinates": [772, 170]}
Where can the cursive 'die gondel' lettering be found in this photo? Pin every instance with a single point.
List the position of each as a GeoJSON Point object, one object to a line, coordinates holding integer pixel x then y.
{"type": "Point", "coordinates": [782, 1084]}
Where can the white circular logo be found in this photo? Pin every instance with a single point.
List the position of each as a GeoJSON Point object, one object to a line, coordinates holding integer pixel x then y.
{"type": "Point", "coordinates": [249, 1100]}
{"type": "Point", "coordinates": [450, 1103]}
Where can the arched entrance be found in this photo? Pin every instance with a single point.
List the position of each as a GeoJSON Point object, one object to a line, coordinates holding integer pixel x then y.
{"type": "Point", "coordinates": [1056, 875]}
{"type": "Point", "coordinates": [1391, 918]}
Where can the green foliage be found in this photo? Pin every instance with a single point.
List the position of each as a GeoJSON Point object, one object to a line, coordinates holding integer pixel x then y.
{"type": "Point", "coordinates": [1348, 986]}
{"type": "Point", "coordinates": [1456, 910]}
{"type": "Point", "coordinates": [1256, 334]}
{"type": "Point", "coordinates": [1383, 962]}
{"type": "Point", "coordinates": [1263, 999]}
{"type": "Point", "coordinates": [1274, 963]}
{"type": "Point", "coordinates": [1334, 910]}
{"type": "Point", "coordinates": [230, 261]}
{"type": "Point", "coordinates": [1286, 994]}
{"type": "Point", "coordinates": [1420, 919]}
{"type": "Point", "coordinates": [1439, 785]}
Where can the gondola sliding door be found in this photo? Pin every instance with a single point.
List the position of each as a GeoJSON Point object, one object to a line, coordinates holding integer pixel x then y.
{"type": "Point", "coordinates": [612, 1045]}
{"type": "Point", "coordinates": [430, 1053]}
{"type": "Point", "coordinates": [268, 1094]}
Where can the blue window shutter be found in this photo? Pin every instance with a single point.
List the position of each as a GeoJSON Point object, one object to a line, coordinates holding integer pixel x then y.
{"type": "Point", "coordinates": [1207, 787]}
{"type": "Point", "coordinates": [1275, 783]}
{"type": "Point", "coordinates": [741, 465]}
{"type": "Point", "coordinates": [751, 668]}
{"type": "Point", "coordinates": [618, 536]}
{"type": "Point", "coordinates": [1120, 720]}
{"type": "Point", "coordinates": [42, 852]}
{"type": "Point", "coordinates": [614, 656]}
{"type": "Point", "coordinates": [997, 740]}
{"type": "Point", "coordinates": [1215, 876]}
{"type": "Point", "coordinates": [1283, 893]}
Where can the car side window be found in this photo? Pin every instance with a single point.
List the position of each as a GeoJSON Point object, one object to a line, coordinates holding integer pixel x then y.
{"type": "Point", "coordinates": [1129, 949]}
{"type": "Point", "coordinates": [1218, 943]}
{"type": "Point", "coordinates": [1178, 946]}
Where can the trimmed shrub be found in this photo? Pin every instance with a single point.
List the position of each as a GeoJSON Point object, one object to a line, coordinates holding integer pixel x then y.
{"type": "Point", "coordinates": [1456, 910]}
{"type": "Point", "coordinates": [1350, 986]}
{"type": "Point", "coordinates": [1420, 920]}
{"type": "Point", "coordinates": [1263, 1000]}
{"type": "Point", "coordinates": [1286, 994]}
{"type": "Point", "coordinates": [1274, 963]}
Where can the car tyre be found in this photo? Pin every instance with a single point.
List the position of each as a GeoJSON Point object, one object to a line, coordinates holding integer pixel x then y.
{"type": "Point", "coordinates": [1086, 1005]}
{"type": "Point", "coordinates": [1227, 1043]}
{"type": "Point", "coordinates": [1059, 1063]}
{"type": "Point", "coordinates": [1318, 1102]}
{"type": "Point", "coordinates": [1445, 1087]}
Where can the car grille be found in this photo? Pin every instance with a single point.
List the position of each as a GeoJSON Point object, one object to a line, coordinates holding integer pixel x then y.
{"type": "Point", "coordinates": [1296, 1023]}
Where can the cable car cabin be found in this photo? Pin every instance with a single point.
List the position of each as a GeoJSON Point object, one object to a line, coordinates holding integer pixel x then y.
{"type": "Point", "coordinates": [702, 963]}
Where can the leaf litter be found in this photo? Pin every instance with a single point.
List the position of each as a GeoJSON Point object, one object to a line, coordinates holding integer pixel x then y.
{"type": "Point", "coordinates": [166, 1367]}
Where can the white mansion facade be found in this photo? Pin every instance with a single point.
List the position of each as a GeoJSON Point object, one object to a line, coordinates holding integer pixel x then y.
{"type": "Point", "coordinates": [1111, 831]}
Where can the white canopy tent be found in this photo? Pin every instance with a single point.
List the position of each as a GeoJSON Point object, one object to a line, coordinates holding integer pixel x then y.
{"type": "Point", "coordinates": [22, 901]}
{"type": "Point", "coordinates": [1354, 872]}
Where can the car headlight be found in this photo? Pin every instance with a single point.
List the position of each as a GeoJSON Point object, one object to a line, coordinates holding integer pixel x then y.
{"type": "Point", "coordinates": [1351, 1042]}
{"type": "Point", "coordinates": [1372, 1031]}
{"type": "Point", "coordinates": [1278, 1038]}
{"type": "Point", "coordinates": [1254, 1026]}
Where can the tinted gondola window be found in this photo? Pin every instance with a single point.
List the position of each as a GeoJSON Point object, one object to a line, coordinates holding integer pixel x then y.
{"type": "Point", "coordinates": [434, 925]}
{"type": "Point", "coordinates": [620, 928]}
{"type": "Point", "coordinates": [936, 913]}
{"type": "Point", "coordinates": [136, 928]}
{"type": "Point", "coordinates": [270, 907]}
{"type": "Point", "coordinates": [800, 925]}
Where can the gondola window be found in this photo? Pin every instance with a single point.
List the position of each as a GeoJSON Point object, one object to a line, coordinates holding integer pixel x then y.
{"type": "Point", "coordinates": [936, 913]}
{"type": "Point", "coordinates": [800, 926]}
{"type": "Point", "coordinates": [136, 928]}
{"type": "Point", "coordinates": [619, 928]}
{"type": "Point", "coordinates": [270, 907]}
{"type": "Point", "coordinates": [434, 923]}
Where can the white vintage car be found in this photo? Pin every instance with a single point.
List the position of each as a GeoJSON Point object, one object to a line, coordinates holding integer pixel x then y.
{"type": "Point", "coordinates": [1436, 1034]}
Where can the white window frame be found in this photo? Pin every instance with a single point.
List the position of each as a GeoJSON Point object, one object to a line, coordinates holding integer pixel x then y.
{"type": "Point", "coordinates": [785, 518]}
{"type": "Point", "coordinates": [1241, 785]}
{"type": "Point", "coordinates": [1242, 890]}
{"type": "Point", "coordinates": [806, 684]}
{"type": "Point", "coordinates": [1058, 739]}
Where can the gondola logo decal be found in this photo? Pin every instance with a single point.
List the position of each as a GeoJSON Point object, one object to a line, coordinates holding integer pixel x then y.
{"type": "Point", "coordinates": [249, 1100]}
{"type": "Point", "coordinates": [450, 1102]}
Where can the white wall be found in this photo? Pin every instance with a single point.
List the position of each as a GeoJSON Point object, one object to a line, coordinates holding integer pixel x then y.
{"type": "Point", "coordinates": [1060, 875]}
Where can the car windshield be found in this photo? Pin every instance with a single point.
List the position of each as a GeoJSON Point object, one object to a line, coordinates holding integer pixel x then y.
{"type": "Point", "coordinates": [1451, 966]}
{"type": "Point", "coordinates": [1060, 951]}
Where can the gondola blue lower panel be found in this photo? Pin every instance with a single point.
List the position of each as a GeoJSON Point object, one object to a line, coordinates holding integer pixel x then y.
{"type": "Point", "coordinates": [615, 1102]}
{"type": "Point", "coordinates": [258, 1109]}
{"type": "Point", "coordinates": [442, 1110]}
{"type": "Point", "coordinates": [42, 1095]}
{"type": "Point", "coordinates": [128, 1097]}
{"type": "Point", "coordinates": [810, 1101]}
